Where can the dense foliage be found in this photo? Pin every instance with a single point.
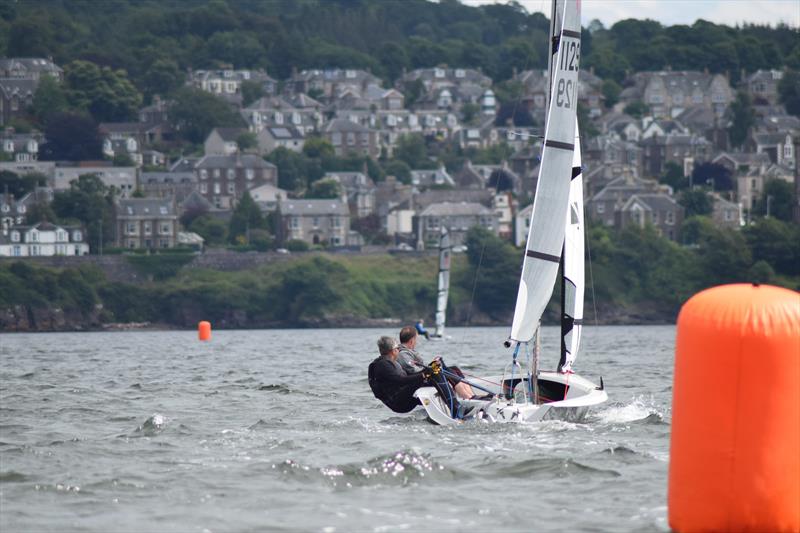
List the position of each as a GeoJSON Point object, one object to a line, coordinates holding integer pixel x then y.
{"type": "Point", "coordinates": [152, 43]}
{"type": "Point", "coordinates": [632, 276]}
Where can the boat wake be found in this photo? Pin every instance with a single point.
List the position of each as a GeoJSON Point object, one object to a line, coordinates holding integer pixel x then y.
{"type": "Point", "coordinates": [641, 409]}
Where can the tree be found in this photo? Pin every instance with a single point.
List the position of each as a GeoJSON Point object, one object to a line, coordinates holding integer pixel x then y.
{"type": "Point", "coordinates": [611, 90]}
{"type": "Point", "coordinates": [18, 186]}
{"type": "Point", "coordinates": [495, 268]}
{"type": "Point", "coordinates": [292, 168]}
{"type": "Point", "coordinates": [40, 211]}
{"type": "Point", "coordinates": [469, 111]}
{"type": "Point", "coordinates": [251, 92]}
{"type": "Point", "coordinates": [714, 175]}
{"type": "Point", "coordinates": [743, 119]}
{"type": "Point", "coordinates": [778, 196]}
{"type": "Point", "coordinates": [71, 137]}
{"type": "Point", "coordinates": [696, 202]}
{"type": "Point", "coordinates": [636, 109]}
{"type": "Point", "coordinates": [776, 243]}
{"type": "Point", "coordinates": [90, 202]}
{"type": "Point", "coordinates": [194, 113]}
{"type": "Point", "coordinates": [48, 99]}
{"type": "Point", "coordinates": [411, 149]}
{"type": "Point", "coordinates": [247, 216]}
{"type": "Point", "coordinates": [107, 94]}
{"type": "Point", "coordinates": [673, 176]}
{"type": "Point", "coordinates": [789, 91]}
{"type": "Point", "coordinates": [213, 230]}
{"type": "Point", "coordinates": [393, 59]}
{"type": "Point", "coordinates": [399, 169]}
{"type": "Point", "coordinates": [246, 140]}
{"type": "Point", "coordinates": [325, 188]}
{"type": "Point", "coordinates": [163, 77]}
{"type": "Point", "coordinates": [318, 147]}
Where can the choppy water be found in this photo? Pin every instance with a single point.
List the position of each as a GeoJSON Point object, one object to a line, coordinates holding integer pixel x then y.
{"type": "Point", "coordinates": [277, 430]}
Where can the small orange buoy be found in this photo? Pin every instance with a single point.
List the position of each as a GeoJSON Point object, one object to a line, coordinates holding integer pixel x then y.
{"type": "Point", "coordinates": [204, 330]}
{"type": "Point", "coordinates": [735, 443]}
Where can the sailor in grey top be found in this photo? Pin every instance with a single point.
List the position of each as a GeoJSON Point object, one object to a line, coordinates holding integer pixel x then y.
{"type": "Point", "coordinates": [409, 359]}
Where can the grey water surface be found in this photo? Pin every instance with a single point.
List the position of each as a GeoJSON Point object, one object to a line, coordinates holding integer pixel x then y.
{"type": "Point", "coordinates": [276, 430]}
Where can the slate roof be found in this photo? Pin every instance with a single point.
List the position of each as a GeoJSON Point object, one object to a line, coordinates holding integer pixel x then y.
{"type": "Point", "coordinates": [233, 161]}
{"type": "Point", "coordinates": [147, 208]}
{"type": "Point", "coordinates": [344, 125]}
{"type": "Point", "coordinates": [456, 209]}
{"type": "Point", "coordinates": [229, 134]}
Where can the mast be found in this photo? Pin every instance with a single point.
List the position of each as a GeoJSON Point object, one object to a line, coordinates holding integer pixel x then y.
{"type": "Point", "coordinates": [546, 234]}
{"type": "Point", "coordinates": [443, 281]}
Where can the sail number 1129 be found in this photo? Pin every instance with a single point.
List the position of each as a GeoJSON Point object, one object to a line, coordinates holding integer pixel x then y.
{"type": "Point", "coordinates": [570, 58]}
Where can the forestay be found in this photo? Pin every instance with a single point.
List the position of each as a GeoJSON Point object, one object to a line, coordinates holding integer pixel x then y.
{"type": "Point", "coordinates": [573, 276]}
{"type": "Point", "coordinates": [443, 281]}
{"type": "Point", "coordinates": [546, 234]}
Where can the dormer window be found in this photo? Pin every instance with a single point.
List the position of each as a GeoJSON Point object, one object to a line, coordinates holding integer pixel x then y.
{"type": "Point", "coordinates": [77, 236]}
{"type": "Point", "coordinates": [21, 209]}
{"type": "Point", "coordinates": [14, 236]}
{"type": "Point", "coordinates": [8, 145]}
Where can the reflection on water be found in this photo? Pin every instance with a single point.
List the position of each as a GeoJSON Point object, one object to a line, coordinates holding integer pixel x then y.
{"type": "Point", "coordinates": [278, 430]}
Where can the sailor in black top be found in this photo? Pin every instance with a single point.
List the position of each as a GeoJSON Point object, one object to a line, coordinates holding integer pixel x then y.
{"type": "Point", "coordinates": [390, 383]}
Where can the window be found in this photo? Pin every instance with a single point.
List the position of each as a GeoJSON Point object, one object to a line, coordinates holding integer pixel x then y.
{"type": "Point", "coordinates": [351, 139]}
{"type": "Point", "coordinates": [163, 243]}
{"type": "Point", "coordinates": [432, 223]}
{"type": "Point", "coordinates": [337, 222]}
{"type": "Point", "coordinates": [17, 251]}
{"type": "Point", "coordinates": [34, 250]}
{"type": "Point", "coordinates": [203, 174]}
{"type": "Point", "coordinates": [21, 209]}
{"type": "Point", "coordinates": [34, 236]}
{"type": "Point", "coordinates": [217, 188]}
{"type": "Point", "coordinates": [670, 218]}
{"type": "Point", "coordinates": [294, 222]}
{"type": "Point", "coordinates": [77, 236]}
{"type": "Point", "coordinates": [131, 229]}
{"type": "Point", "coordinates": [250, 173]}
{"type": "Point", "coordinates": [203, 188]}
{"type": "Point", "coordinates": [315, 222]}
{"type": "Point", "coordinates": [231, 188]}
{"type": "Point", "coordinates": [6, 208]}
{"type": "Point", "coordinates": [148, 228]}
{"type": "Point", "coordinates": [14, 236]}
{"type": "Point", "coordinates": [217, 173]}
{"type": "Point", "coordinates": [601, 208]}
{"type": "Point", "coordinates": [148, 243]}
{"type": "Point", "coordinates": [165, 228]}
{"type": "Point", "coordinates": [231, 174]}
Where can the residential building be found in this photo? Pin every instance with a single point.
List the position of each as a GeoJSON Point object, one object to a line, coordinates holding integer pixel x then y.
{"type": "Point", "coordinates": [42, 239]}
{"type": "Point", "coordinates": [522, 225]}
{"type": "Point", "coordinates": [123, 179]}
{"type": "Point", "coordinates": [16, 96]}
{"type": "Point", "coordinates": [300, 112]}
{"type": "Point", "coordinates": [682, 150]}
{"type": "Point", "coordinates": [779, 147]}
{"type": "Point", "coordinates": [272, 137]}
{"type": "Point", "coordinates": [657, 209]}
{"type": "Point", "coordinates": [227, 83]}
{"type": "Point", "coordinates": [667, 93]}
{"type": "Point", "coordinates": [330, 83]}
{"type": "Point", "coordinates": [348, 137]}
{"type": "Point", "coordinates": [726, 214]}
{"type": "Point", "coordinates": [178, 185]}
{"type": "Point", "coordinates": [267, 197]}
{"type": "Point", "coordinates": [458, 218]}
{"type": "Point", "coordinates": [147, 223]}
{"type": "Point", "coordinates": [223, 141]}
{"type": "Point", "coordinates": [222, 179]}
{"type": "Point", "coordinates": [20, 147]}
{"type": "Point", "coordinates": [432, 178]}
{"type": "Point", "coordinates": [762, 86]}
{"type": "Point", "coordinates": [314, 221]}
{"type": "Point", "coordinates": [358, 190]}
{"type": "Point", "coordinates": [604, 205]}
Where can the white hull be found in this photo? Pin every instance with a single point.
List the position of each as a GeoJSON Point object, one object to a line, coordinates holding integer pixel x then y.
{"type": "Point", "coordinates": [581, 394]}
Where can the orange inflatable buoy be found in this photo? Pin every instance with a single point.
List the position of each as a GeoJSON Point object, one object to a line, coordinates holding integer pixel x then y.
{"type": "Point", "coordinates": [735, 444]}
{"type": "Point", "coordinates": [204, 331]}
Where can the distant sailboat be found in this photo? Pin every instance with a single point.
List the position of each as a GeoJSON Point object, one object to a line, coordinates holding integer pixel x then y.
{"type": "Point", "coordinates": [555, 238]}
{"type": "Point", "coordinates": [443, 283]}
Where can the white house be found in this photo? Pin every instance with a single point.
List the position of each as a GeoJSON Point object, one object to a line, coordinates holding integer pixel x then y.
{"type": "Point", "coordinates": [42, 239]}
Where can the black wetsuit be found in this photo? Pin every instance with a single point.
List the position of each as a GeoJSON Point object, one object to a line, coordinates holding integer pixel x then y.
{"type": "Point", "coordinates": [391, 385]}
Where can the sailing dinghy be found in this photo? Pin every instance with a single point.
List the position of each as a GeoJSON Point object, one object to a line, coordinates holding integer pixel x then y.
{"type": "Point", "coordinates": [555, 238]}
{"type": "Point", "coordinates": [443, 283]}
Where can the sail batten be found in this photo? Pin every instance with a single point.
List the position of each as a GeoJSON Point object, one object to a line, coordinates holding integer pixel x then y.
{"type": "Point", "coordinates": [547, 228]}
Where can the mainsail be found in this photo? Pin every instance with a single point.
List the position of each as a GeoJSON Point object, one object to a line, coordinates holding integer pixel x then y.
{"type": "Point", "coordinates": [573, 277]}
{"type": "Point", "coordinates": [546, 234]}
{"type": "Point", "coordinates": [444, 281]}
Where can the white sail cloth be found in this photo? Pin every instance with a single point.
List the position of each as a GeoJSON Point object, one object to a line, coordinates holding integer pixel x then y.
{"type": "Point", "coordinates": [443, 281]}
{"type": "Point", "coordinates": [573, 268]}
{"type": "Point", "coordinates": [546, 234]}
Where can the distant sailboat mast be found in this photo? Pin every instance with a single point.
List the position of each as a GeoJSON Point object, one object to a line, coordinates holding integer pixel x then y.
{"type": "Point", "coordinates": [443, 280]}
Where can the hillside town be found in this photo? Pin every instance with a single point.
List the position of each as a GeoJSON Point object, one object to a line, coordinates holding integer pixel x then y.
{"type": "Point", "coordinates": [666, 138]}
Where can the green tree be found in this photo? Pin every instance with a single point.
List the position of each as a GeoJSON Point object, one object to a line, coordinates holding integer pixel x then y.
{"type": "Point", "coordinates": [393, 59]}
{"type": "Point", "coordinates": [71, 137]}
{"type": "Point", "coordinates": [292, 168]}
{"type": "Point", "coordinates": [90, 202]}
{"type": "Point", "coordinates": [213, 230]}
{"type": "Point", "coordinates": [696, 202]}
{"type": "Point", "coordinates": [40, 212]}
{"type": "Point", "coordinates": [246, 140]}
{"type": "Point", "coordinates": [163, 77]}
{"type": "Point", "coordinates": [495, 267]}
{"type": "Point", "coordinates": [775, 242]}
{"type": "Point", "coordinates": [246, 217]}
{"type": "Point", "coordinates": [317, 147]}
{"type": "Point", "coordinates": [325, 188]}
{"type": "Point", "coordinates": [778, 196]}
{"type": "Point", "coordinates": [194, 113]}
{"type": "Point", "coordinates": [636, 109]}
{"type": "Point", "coordinates": [251, 92]}
{"type": "Point", "coordinates": [399, 169]}
{"type": "Point", "coordinates": [48, 100]}
{"type": "Point", "coordinates": [107, 94]}
{"type": "Point", "coordinates": [789, 91]}
{"type": "Point", "coordinates": [18, 186]}
{"type": "Point", "coordinates": [411, 149]}
{"type": "Point", "coordinates": [673, 176]}
{"type": "Point", "coordinates": [743, 118]}
{"type": "Point", "coordinates": [611, 90]}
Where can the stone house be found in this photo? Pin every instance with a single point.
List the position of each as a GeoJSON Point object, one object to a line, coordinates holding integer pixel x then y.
{"type": "Point", "coordinates": [358, 190]}
{"type": "Point", "coordinates": [279, 112]}
{"type": "Point", "coordinates": [458, 218]}
{"type": "Point", "coordinates": [438, 177]}
{"type": "Point", "coordinates": [178, 185]}
{"type": "Point", "coordinates": [604, 205]}
{"type": "Point", "coordinates": [16, 96]}
{"type": "Point", "coordinates": [762, 86]}
{"type": "Point", "coordinates": [222, 179]}
{"type": "Point", "coordinates": [667, 93]}
{"type": "Point", "coordinates": [657, 209]}
{"type": "Point", "coordinates": [778, 146]}
{"type": "Point", "coordinates": [330, 83]}
{"type": "Point", "coordinates": [42, 239]}
{"type": "Point", "coordinates": [227, 83]}
{"type": "Point", "coordinates": [267, 197]}
{"type": "Point", "coordinates": [222, 141]}
{"type": "Point", "coordinates": [683, 150]}
{"type": "Point", "coordinates": [726, 214]}
{"type": "Point", "coordinates": [273, 137]}
{"type": "Point", "coordinates": [348, 137]}
{"type": "Point", "coordinates": [149, 223]}
{"type": "Point", "coordinates": [314, 221]}
{"type": "Point", "coordinates": [609, 150]}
